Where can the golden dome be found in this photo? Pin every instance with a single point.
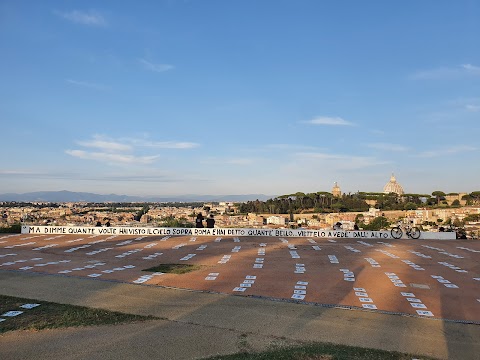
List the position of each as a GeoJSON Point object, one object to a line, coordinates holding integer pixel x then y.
{"type": "Point", "coordinates": [393, 187]}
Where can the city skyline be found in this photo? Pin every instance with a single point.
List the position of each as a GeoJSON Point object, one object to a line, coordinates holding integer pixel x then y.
{"type": "Point", "coordinates": [212, 97]}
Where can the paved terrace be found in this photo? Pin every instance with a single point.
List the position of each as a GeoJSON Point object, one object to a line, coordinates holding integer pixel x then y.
{"type": "Point", "coordinates": [274, 280]}
{"type": "Point", "coordinates": [431, 278]}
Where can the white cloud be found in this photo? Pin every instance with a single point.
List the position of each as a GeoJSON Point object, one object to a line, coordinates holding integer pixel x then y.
{"type": "Point", "coordinates": [164, 144]}
{"type": "Point", "coordinates": [16, 172]}
{"type": "Point", "coordinates": [447, 73]}
{"type": "Point", "coordinates": [109, 146]}
{"type": "Point", "coordinates": [155, 67]}
{"type": "Point", "coordinates": [122, 151]}
{"type": "Point", "coordinates": [289, 147]}
{"type": "Point", "coordinates": [128, 144]}
{"type": "Point", "coordinates": [111, 157]}
{"type": "Point", "coordinates": [90, 18]}
{"type": "Point", "coordinates": [87, 84]}
{"type": "Point", "coordinates": [325, 120]}
{"type": "Point", "coordinates": [472, 107]}
{"type": "Point", "coordinates": [388, 147]}
{"type": "Point", "coordinates": [447, 151]}
{"type": "Point", "coordinates": [472, 69]}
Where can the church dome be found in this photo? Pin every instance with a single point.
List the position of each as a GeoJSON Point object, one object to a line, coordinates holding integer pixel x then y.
{"type": "Point", "coordinates": [393, 187]}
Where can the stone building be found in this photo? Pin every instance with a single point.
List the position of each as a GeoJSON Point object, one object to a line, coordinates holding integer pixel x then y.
{"type": "Point", "coordinates": [336, 192]}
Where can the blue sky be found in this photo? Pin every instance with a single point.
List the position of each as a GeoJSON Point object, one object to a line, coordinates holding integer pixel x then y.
{"type": "Point", "coordinates": [236, 97]}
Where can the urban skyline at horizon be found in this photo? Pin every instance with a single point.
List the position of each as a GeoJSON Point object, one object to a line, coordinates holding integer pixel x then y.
{"type": "Point", "coordinates": [336, 187]}
{"type": "Point", "coordinates": [212, 97]}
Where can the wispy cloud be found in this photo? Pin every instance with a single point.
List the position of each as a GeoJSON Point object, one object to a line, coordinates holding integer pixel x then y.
{"type": "Point", "coordinates": [35, 174]}
{"type": "Point", "coordinates": [447, 151]}
{"type": "Point", "coordinates": [155, 67]}
{"type": "Point", "coordinates": [388, 147]}
{"type": "Point", "coordinates": [326, 120]}
{"type": "Point", "coordinates": [112, 157]}
{"type": "Point", "coordinates": [109, 146]}
{"type": "Point", "coordinates": [472, 107]}
{"type": "Point", "coordinates": [472, 69]}
{"type": "Point", "coordinates": [89, 18]}
{"type": "Point", "coordinates": [16, 172]}
{"type": "Point", "coordinates": [87, 84]}
{"type": "Point", "coordinates": [290, 147]}
{"type": "Point", "coordinates": [447, 73]}
{"type": "Point", "coordinates": [163, 144]}
{"type": "Point", "coordinates": [151, 175]}
{"type": "Point", "coordinates": [341, 161]}
{"type": "Point", "coordinates": [123, 150]}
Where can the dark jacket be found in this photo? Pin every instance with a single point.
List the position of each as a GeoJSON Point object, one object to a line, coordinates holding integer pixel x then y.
{"type": "Point", "coordinates": [210, 222]}
{"type": "Point", "coordinates": [199, 221]}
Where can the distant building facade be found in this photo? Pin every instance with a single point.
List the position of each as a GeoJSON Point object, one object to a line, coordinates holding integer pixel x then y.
{"type": "Point", "coordinates": [276, 220]}
{"type": "Point", "coordinates": [450, 198]}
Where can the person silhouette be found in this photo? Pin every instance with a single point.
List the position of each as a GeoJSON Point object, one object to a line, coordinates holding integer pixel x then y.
{"type": "Point", "coordinates": [210, 221]}
{"type": "Point", "coordinates": [199, 221]}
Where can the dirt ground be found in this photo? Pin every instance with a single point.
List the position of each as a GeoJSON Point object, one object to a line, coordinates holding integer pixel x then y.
{"type": "Point", "coordinates": [428, 278]}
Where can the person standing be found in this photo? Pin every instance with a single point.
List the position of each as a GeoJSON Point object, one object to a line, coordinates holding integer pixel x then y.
{"type": "Point", "coordinates": [210, 221]}
{"type": "Point", "coordinates": [199, 221]}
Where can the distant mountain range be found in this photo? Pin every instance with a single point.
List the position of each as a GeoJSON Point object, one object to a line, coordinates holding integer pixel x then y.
{"type": "Point", "coordinates": [70, 196]}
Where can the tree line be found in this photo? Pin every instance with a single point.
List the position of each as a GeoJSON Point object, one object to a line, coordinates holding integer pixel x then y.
{"type": "Point", "coordinates": [325, 202]}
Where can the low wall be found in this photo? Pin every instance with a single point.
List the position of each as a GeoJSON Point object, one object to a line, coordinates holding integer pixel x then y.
{"type": "Point", "coordinates": [330, 234]}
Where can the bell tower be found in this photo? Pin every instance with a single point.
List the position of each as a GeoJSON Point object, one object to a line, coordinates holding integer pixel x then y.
{"type": "Point", "coordinates": [336, 192]}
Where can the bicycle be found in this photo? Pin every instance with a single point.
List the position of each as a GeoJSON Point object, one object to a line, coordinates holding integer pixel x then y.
{"type": "Point", "coordinates": [411, 231]}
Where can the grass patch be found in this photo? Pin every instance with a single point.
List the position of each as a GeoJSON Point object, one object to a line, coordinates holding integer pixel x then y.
{"type": "Point", "coordinates": [174, 268]}
{"type": "Point", "coordinates": [320, 351]}
{"type": "Point", "coordinates": [51, 315]}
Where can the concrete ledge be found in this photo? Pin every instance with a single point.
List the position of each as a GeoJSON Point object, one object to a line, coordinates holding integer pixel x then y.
{"type": "Point", "coordinates": [158, 231]}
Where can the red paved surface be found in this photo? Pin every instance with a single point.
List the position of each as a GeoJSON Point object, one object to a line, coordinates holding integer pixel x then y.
{"type": "Point", "coordinates": [442, 277]}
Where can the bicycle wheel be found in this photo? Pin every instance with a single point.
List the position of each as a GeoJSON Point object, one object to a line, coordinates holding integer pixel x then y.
{"type": "Point", "coordinates": [414, 233]}
{"type": "Point", "coordinates": [396, 232]}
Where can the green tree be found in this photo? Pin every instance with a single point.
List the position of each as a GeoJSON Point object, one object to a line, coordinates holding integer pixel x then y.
{"type": "Point", "coordinates": [439, 195]}
{"type": "Point", "coordinates": [359, 218]}
{"type": "Point", "coordinates": [410, 206]}
{"type": "Point", "coordinates": [467, 198]}
{"type": "Point", "coordinates": [472, 218]}
{"type": "Point", "coordinates": [378, 223]}
{"type": "Point", "coordinates": [475, 196]}
{"type": "Point", "coordinates": [171, 221]}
